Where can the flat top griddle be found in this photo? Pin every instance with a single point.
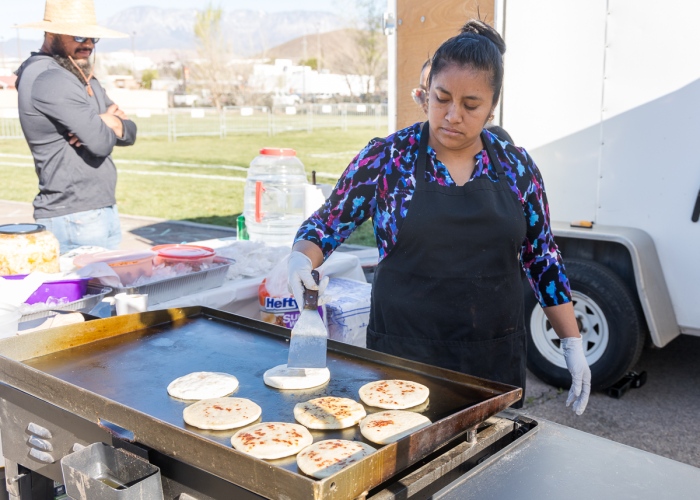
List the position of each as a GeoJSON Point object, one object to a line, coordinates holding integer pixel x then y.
{"type": "Point", "coordinates": [134, 369]}
{"type": "Point", "coordinates": [117, 370]}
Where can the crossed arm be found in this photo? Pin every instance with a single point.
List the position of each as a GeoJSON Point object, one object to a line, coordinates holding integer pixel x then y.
{"type": "Point", "coordinates": [66, 104]}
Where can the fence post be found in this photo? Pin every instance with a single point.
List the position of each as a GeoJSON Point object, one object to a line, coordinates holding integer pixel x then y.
{"type": "Point", "coordinates": [272, 120]}
{"type": "Point", "coordinates": [222, 123]}
{"type": "Point", "coordinates": [172, 133]}
{"type": "Point", "coordinates": [310, 119]}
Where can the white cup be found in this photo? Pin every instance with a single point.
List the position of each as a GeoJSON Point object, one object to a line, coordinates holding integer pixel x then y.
{"type": "Point", "coordinates": [129, 304]}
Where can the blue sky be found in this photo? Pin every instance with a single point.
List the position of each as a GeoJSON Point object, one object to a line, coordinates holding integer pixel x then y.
{"type": "Point", "coordinates": [26, 11]}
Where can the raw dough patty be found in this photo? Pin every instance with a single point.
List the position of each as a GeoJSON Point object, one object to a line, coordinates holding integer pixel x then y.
{"type": "Point", "coordinates": [281, 377]}
{"type": "Point", "coordinates": [203, 385]}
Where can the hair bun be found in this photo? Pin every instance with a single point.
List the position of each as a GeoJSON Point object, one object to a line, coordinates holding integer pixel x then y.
{"type": "Point", "coordinates": [478, 27]}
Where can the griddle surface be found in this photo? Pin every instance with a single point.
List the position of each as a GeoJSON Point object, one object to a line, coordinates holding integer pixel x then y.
{"type": "Point", "coordinates": [135, 368]}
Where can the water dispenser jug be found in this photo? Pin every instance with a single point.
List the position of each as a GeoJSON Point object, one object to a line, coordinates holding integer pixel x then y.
{"type": "Point", "coordinates": [274, 196]}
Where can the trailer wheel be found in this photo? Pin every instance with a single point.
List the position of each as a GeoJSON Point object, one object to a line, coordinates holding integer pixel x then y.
{"type": "Point", "coordinates": [610, 320]}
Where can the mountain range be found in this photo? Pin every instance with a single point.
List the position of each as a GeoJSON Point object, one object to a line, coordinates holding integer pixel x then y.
{"type": "Point", "coordinates": [249, 32]}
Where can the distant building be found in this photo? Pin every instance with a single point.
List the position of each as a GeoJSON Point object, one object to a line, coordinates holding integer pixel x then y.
{"type": "Point", "coordinates": [8, 82]}
{"type": "Point", "coordinates": [285, 78]}
{"type": "Point", "coordinates": [126, 60]}
{"type": "Point", "coordinates": [120, 82]}
{"type": "Point", "coordinates": [9, 65]}
{"type": "Point", "coordinates": [169, 84]}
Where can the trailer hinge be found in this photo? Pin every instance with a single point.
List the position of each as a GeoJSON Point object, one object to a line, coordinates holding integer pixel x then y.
{"type": "Point", "coordinates": [389, 23]}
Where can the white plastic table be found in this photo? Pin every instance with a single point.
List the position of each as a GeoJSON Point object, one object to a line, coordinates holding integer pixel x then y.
{"type": "Point", "coordinates": [240, 296]}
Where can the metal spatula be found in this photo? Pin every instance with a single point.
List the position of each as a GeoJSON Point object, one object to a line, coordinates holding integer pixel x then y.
{"type": "Point", "coordinates": [307, 348]}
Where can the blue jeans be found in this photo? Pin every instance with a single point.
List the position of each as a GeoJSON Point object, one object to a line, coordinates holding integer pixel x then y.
{"type": "Point", "coordinates": [99, 227]}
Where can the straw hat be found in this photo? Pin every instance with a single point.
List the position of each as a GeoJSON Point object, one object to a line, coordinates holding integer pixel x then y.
{"type": "Point", "coordinates": [72, 17]}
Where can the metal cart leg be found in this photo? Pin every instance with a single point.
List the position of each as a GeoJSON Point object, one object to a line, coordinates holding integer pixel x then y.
{"type": "Point", "coordinates": [13, 479]}
{"type": "Point", "coordinates": [23, 484]}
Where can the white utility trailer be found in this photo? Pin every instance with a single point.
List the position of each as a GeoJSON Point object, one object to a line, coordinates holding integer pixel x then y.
{"type": "Point", "coordinates": [605, 96]}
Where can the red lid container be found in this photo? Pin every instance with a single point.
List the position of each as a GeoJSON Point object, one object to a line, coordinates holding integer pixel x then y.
{"type": "Point", "coordinates": [186, 254]}
{"type": "Point", "coordinates": [278, 152]}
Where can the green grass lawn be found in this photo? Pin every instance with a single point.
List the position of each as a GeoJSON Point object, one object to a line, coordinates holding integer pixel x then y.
{"type": "Point", "coordinates": [209, 200]}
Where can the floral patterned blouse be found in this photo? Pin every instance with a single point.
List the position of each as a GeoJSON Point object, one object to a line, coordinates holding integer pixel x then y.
{"type": "Point", "coordinates": [380, 181]}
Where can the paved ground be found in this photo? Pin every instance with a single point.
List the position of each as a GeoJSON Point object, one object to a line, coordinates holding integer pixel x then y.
{"type": "Point", "coordinates": [663, 417]}
{"type": "Point", "coordinates": [137, 232]}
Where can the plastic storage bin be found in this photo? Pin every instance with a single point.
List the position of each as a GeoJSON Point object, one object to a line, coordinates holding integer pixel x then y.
{"type": "Point", "coordinates": [274, 196]}
{"type": "Point", "coordinates": [69, 289]}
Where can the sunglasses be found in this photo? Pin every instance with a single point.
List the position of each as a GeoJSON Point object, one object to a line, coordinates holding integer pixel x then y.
{"type": "Point", "coordinates": [83, 39]}
{"type": "Point", "coordinates": [419, 95]}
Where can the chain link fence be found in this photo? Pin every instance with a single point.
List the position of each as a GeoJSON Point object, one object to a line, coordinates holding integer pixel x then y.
{"type": "Point", "coordinates": [199, 122]}
{"type": "Point", "coordinates": [9, 124]}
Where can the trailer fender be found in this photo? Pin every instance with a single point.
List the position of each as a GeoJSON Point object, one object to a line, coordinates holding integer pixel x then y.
{"type": "Point", "coordinates": [648, 274]}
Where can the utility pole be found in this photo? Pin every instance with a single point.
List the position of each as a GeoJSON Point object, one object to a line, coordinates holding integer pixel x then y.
{"type": "Point", "coordinates": [303, 68]}
{"type": "Point", "coordinates": [318, 48]}
{"type": "Point", "coordinates": [19, 46]}
{"type": "Point", "coordinates": [133, 54]}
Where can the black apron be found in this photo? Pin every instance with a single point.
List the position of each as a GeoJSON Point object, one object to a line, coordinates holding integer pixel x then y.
{"type": "Point", "coordinates": [450, 292]}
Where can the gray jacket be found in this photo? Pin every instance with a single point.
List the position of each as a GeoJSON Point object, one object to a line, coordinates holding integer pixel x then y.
{"type": "Point", "coordinates": [53, 102]}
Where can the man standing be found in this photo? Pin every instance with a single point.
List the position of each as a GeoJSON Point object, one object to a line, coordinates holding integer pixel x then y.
{"type": "Point", "coordinates": [72, 126]}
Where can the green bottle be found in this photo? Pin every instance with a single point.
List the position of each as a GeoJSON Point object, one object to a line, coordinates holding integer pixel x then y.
{"type": "Point", "coordinates": [241, 230]}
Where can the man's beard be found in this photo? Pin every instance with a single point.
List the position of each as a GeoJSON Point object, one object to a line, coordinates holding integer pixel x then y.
{"type": "Point", "coordinates": [58, 51]}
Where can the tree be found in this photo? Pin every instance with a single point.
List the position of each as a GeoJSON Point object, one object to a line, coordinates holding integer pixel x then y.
{"type": "Point", "coordinates": [367, 56]}
{"type": "Point", "coordinates": [312, 63]}
{"type": "Point", "coordinates": [147, 78]}
{"type": "Point", "coordinates": [212, 71]}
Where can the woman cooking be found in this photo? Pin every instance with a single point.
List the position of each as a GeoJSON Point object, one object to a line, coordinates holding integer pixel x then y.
{"type": "Point", "coordinates": [458, 215]}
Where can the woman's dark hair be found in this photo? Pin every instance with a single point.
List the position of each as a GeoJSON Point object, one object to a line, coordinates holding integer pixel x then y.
{"type": "Point", "coordinates": [478, 46]}
{"type": "Point", "coordinates": [481, 28]}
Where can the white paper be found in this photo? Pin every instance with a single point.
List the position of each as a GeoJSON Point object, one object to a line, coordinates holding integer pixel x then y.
{"type": "Point", "coordinates": [101, 272]}
{"type": "Point", "coordinates": [16, 292]}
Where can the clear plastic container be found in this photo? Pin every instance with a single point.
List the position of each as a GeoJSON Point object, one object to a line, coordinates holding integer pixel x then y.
{"type": "Point", "coordinates": [128, 264]}
{"type": "Point", "coordinates": [274, 196]}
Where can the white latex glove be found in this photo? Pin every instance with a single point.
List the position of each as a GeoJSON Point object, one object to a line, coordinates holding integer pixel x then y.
{"type": "Point", "coordinates": [580, 373]}
{"type": "Point", "coordinates": [299, 269]}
